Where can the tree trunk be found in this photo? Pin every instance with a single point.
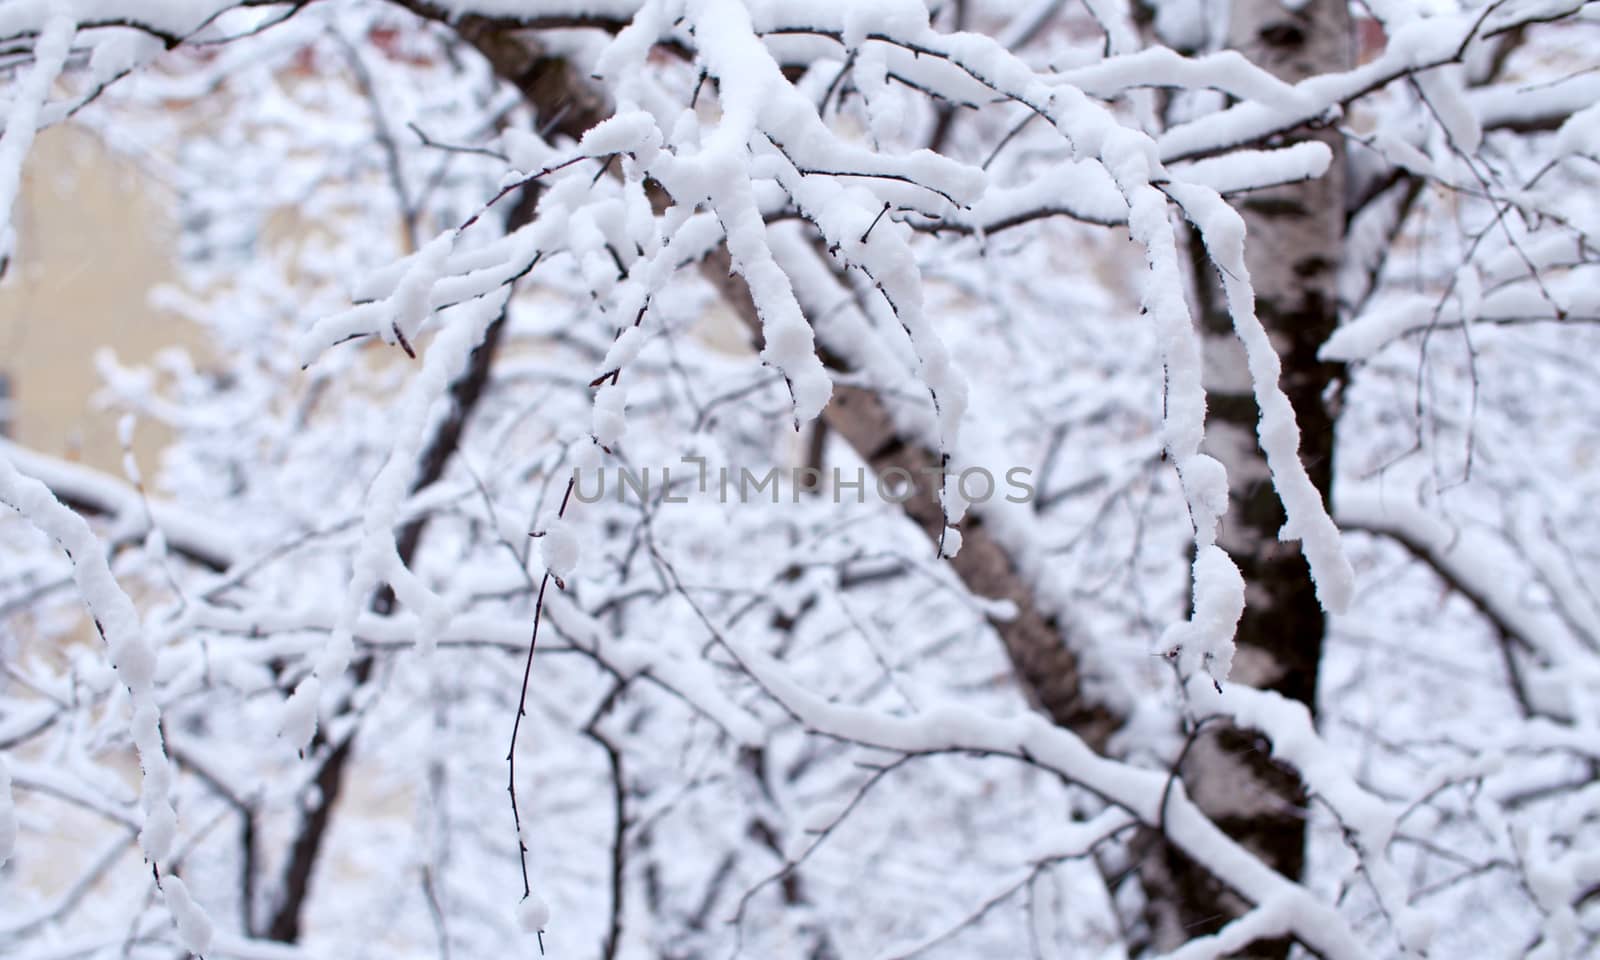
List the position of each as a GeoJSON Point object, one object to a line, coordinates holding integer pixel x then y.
{"type": "Point", "coordinates": [1293, 246]}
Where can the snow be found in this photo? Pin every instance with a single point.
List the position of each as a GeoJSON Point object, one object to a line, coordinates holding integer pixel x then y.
{"type": "Point", "coordinates": [377, 560]}
{"type": "Point", "coordinates": [1552, 296]}
{"type": "Point", "coordinates": [533, 913]}
{"type": "Point", "coordinates": [298, 720]}
{"type": "Point", "coordinates": [527, 152]}
{"type": "Point", "coordinates": [1580, 133]}
{"type": "Point", "coordinates": [1377, 326]}
{"type": "Point", "coordinates": [176, 17]}
{"type": "Point", "coordinates": [1403, 154]}
{"type": "Point", "coordinates": [194, 927]}
{"type": "Point", "coordinates": [624, 351]}
{"type": "Point", "coordinates": [8, 815]}
{"type": "Point", "coordinates": [1181, 23]}
{"type": "Point", "coordinates": [1308, 521]}
{"type": "Point", "coordinates": [952, 542]}
{"type": "Point", "coordinates": [407, 301]}
{"type": "Point", "coordinates": [1422, 42]}
{"type": "Point", "coordinates": [587, 456]}
{"type": "Point", "coordinates": [1444, 89]}
{"type": "Point", "coordinates": [1080, 189]}
{"type": "Point", "coordinates": [128, 647]}
{"type": "Point", "coordinates": [410, 300]}
{"type": "Point", "coordinates": [632, 133]}
{"type": "Point", "coordinates": [559, 548]}
{"type": "Point", "coordinates": [712, 634]}
{"type": "Point", "coordinates": [183, 529]}
{"type": "Point", "coordinates": [159, 833]}
{"type": "Point", "coordinates": [1253, 169]}
{"type": "Point", "coordinates": [610, 402]}
{"type": "Point", "coordinates": [1473, 559]}
{"type": "Point", "coordinates": [1205, 641]}
{"type": "Point", "coordinates": [1142, 792]}
{"type": "Point", "coordinates": [1262, 922]}
{"type": "Point", "coordinates": [1227, 71]}
{"type": "Point", "coordinates": [22, 117]}
{"type": "Point", "coordinates": [1504, 103]}
{"type": "Point", "coordinates": [1219, 591]}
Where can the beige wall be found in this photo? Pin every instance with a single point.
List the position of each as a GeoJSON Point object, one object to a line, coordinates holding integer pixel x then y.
{"type": "Point", "coordinates": [94, 236]}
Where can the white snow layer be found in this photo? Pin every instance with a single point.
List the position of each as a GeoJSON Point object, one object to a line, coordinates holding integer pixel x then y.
{"type": "Point", "coordinates": [194, 927]}
{"type": "Point", "coordinates": [22, 119]}
{"type": "Point", "coordinates": [559, 548]}
{"type": "Point", "coordinates": [8, 815]}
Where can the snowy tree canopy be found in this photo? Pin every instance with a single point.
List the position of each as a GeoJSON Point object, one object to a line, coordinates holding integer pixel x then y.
{"type": "Point", "coordinates": [869, 479]}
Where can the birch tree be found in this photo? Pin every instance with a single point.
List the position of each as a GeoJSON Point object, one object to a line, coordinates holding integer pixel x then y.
{"type": "Point", "coordinates": [1050, 323]}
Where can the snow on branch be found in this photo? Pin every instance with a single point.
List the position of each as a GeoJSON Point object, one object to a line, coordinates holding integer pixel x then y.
{"type": "Point", "coordinates": [1308, 521]}
{"type": "Point", "coordinates": [1415, 47]}
{"type": "Point", "coordinates": [1570, 296]}
{"type": "Point", "coordinates": [22, 118]}
{"type": "Point", "coordinates": [1474, 563]}
{"type": "Point", "coordinates": [200, 539]}
{"type": "Point", "coordinates": [378, 562]}
{"type": "Point", "coordinates": [855, 165]}
{"type": "Point", "coordinates": [1150, 795]}
{"type": "Point", "coordinates": [136, 662]}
